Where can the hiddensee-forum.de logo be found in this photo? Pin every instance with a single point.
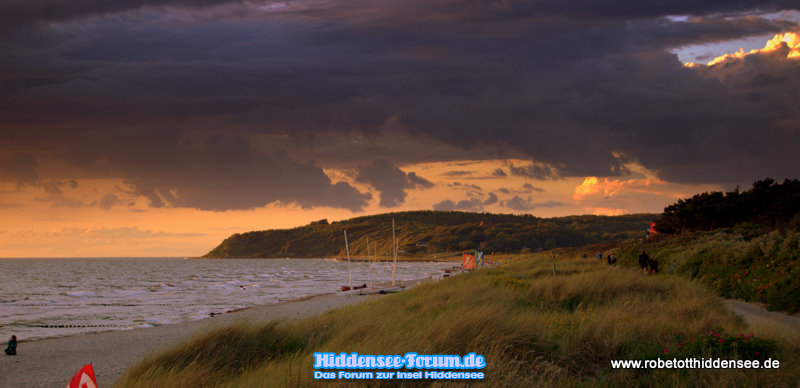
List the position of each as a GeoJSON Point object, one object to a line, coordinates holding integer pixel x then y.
{"type": "Point", "coordinates": [409, 361]}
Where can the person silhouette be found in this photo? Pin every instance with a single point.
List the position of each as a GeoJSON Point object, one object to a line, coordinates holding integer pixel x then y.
{"type": "Point", "coordinates": [644, 262]}
{"type": "Point", "coordinates": [653, 264]}
{"type": "Point", "coordinates": [11, 350]}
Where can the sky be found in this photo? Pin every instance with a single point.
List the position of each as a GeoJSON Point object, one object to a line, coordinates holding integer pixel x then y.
{"type": "Point", "coordinates": [160, 127]}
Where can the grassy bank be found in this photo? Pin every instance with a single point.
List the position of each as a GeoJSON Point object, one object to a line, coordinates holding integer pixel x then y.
{"type": "Point", "coordinates": [738, 262]}
{"type": "Point", "coordinates": [533, 327]}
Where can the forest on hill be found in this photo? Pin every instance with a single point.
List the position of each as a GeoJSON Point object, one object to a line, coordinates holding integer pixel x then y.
{"type": "Point", "coordinates": [423, 232]}
{"type": "Point", "coordinates": [768, 204]}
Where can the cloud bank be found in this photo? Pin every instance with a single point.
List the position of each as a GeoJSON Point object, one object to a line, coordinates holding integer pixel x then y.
{"type": "Point", "coordinates": [217, 105]}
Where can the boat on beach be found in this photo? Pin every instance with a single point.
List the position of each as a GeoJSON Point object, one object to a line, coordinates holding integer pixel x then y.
{"type": "Point", "coordinates": [371, 290]}
{"type": "Point", "coordinates": [380, 290]}
{"type": "Point", "coordinates": [346, 288]}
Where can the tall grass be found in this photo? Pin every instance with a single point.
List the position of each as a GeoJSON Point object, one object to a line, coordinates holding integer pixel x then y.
{"type": "Point", "coordinates": [533, 327]}
{"type": "Point", "coordinates": [736, 262]}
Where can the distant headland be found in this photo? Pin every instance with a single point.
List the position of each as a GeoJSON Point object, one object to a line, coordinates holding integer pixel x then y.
{"type": "Point", "coordinates": [422, 233]}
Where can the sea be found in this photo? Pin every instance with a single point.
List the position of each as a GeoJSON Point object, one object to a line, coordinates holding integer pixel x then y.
{"type": "Point", "coordinates": [46, 298]}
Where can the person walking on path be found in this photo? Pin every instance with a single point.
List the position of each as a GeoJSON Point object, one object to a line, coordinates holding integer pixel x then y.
{"type": "Point", "coordinates": [644, 262]}
{"type": "Point", "coordinates": [653, 264]}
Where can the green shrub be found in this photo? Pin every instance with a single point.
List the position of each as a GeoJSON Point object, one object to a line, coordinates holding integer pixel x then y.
{"type": "Point", "coordinates": [785, 295]}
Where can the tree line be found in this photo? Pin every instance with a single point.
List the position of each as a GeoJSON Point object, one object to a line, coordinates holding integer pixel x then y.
{"type": "Point", "coordinates": [767, 204]}
{"type": "Point", "coordinates": [423, 232]}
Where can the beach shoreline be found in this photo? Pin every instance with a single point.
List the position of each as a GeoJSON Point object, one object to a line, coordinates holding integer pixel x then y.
{"type": "Point", "coordinates": [356, 259]}
{"type": "Point", "coordinates": [52, 362]}
{"type": "Point", "coordinates": [54, 298]}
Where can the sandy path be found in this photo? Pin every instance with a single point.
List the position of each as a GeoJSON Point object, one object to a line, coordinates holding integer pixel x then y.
{"type": "Point", "coordinates": [52, 362]}
{"type": "Point", "coordinates": [755, 313]}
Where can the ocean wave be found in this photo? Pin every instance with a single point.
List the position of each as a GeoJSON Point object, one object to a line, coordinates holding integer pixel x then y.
{"type": "Point", "coordinates": [79, 296]}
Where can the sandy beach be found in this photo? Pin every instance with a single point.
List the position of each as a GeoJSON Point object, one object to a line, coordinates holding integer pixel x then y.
{"type": "Point", "coordinates": [52, 362]}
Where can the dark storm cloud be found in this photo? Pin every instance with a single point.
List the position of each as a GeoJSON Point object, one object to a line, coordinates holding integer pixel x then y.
{"type": "Point", "coordinates": [753, 131]}
{"type": "Point", "coordinates": [579, 87]}
{"type": "Point", "coordinates": [527, 188]}
{"type": "Point", "coordinates": [108, 201]}
{"type": "Point", "coordinates": [491, 200]}
{"type": "Point", "coordinates": [472, 204]}
{"type": "Point", "coordinates": [465, 186]}
{"type": "Point", "coordinates": [457, 173]}
{"type": "Point", "coordinates": [19, 168]}
{"type": "Point", "coordinates": [59, 200]}
{"type": "Point", "coordinates": [21, 13]}
{"type": "Point", "coordinates": [56, 187]}
{"type": "Point", "coordinates": [52, 187]}
{"type": "Point", "coordinates": [418, 181]}
{"type": "Point", "coordinates": [623, 9]}
{"type": "Point", "coordinates": [527, 204]}
{"type": "Point", "coordinates": [390, 181]}
{"type": "Point", "coordinates": [228, 174]}
{"type": "Point", "coordinates": [220, 174]}
{"type": "Point", "coordinates": [519, 204]}
{"type": "Point", "coordinates": [535, 171]}
{"type": "Point", "coordinates": [698, 30]}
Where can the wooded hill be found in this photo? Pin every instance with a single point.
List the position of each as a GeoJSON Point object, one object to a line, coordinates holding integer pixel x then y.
{"type": "Point", "coordinates": [768, 204]}
{"type": "Point", "coordinates": [422, 232]}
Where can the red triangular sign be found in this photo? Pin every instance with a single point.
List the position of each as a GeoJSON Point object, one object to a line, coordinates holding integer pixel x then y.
{"type": "Point", "coordinates": [84, 378]}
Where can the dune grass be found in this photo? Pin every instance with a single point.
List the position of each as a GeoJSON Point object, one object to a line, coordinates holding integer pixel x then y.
{"type": "Point", "coordinates": [737, 262]}
{"type": "Point", "coordinates": [533, 327]}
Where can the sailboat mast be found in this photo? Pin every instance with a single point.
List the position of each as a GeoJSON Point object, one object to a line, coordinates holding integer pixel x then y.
{"type": "Point", "coordinates": [394, 247]}
{"type": "Point", "coordinates": [349, 268]}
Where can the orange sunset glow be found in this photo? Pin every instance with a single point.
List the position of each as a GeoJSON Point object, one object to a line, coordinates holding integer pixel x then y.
{"type": "Point", "coordinates": [78, 223]}
{"type": "Point", "coordinates": [789, 39]}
